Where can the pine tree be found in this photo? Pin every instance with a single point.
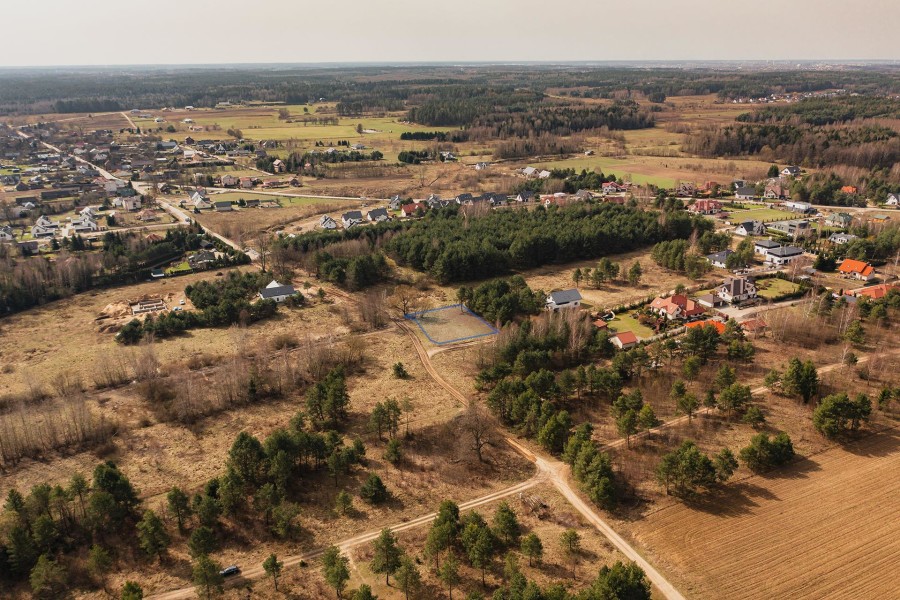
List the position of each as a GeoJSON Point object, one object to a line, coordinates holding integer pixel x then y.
{"type": "Point", "coordinates": [387, 555]}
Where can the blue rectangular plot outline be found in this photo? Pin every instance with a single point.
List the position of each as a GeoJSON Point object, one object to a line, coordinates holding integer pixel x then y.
{"type": "Point", "coordinates": [414, 317]}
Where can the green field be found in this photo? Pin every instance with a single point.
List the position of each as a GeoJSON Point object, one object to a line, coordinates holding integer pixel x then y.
{"type": "Point", "coordinates": [282, 200]}
{"type": "Point", "coordinates": [619, 167]}
{"type": "Point", "coordinates": [179, 269]}
{"type": "Point", "coordinates": [625, 322]}
{"type": "Point", "coordinates": [774, 288]}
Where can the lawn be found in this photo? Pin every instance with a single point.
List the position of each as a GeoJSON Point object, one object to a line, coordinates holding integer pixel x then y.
{"type": "Point", "coordinates": [773, 287]}
{"type": "Point", "coordinates": [625, 322]}
{"type": "Point", "coordinates": [282, 200]}
{"type": "Point", "coordinates": [179, 269]}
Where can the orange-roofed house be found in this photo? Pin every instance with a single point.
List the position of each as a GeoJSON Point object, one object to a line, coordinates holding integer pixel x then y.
{"type": "Point", "coordinates": [719, 325]}
{"type": "Point", "coordinates": [876, 292]}
{"type": "Point", "coordinates": [677, 306]}
{"type": "Point", "coordinates": [624, 340]}
{"type": "Point", "coordinates": [857, 269]}
{"type": "Point", "coordinates": [755, 326]}
{"type": "Point", "coordinates": [849, 189]}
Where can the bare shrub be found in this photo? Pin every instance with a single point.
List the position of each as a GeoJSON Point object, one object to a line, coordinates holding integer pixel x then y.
{"type": "Point", "coordinates": [110, 370]}
{"type": "Point", "coordinates": [66, 384]}
{"type": "Point", "coordinates": [372, 310]}
{"type": "Point", "coordinates": [284, 340]}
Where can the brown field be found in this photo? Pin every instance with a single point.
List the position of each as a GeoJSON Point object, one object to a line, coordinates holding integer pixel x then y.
{"type": "Point", "coordinates": [825, 527]}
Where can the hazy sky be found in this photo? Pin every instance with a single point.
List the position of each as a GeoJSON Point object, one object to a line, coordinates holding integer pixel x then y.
{"type": "Point", "coordinates": [92, 32]}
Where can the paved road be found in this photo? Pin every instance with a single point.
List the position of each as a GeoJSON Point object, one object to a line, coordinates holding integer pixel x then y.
{"type": "Point", "coordinates": [184, 218]}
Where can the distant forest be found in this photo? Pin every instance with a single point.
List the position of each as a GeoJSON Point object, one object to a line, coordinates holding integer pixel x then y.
{"type": "Point", "coordinates": [365, 89]}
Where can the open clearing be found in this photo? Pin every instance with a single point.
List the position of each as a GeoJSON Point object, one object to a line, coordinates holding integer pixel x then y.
{"type": "Point", "coordinates": [451, 324]}
{"type": "Point", "coordinates": [760, 214]}
{"type": "Point", "coordinates": [833, 514]}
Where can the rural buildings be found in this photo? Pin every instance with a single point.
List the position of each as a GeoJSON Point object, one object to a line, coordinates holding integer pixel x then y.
{"type": "Point", "coordinates": [783, 255]}
{"type": "Point", "coordinates": [222, 206]}
{"type": "Point", "coordinates": [705, 207]}
{"type": "Point", "coordinates": [839, 220]}
{"type": "Point", "coordinates": [326, 222]}
{"type": "Point", "coordinates": [876, 292]}
{"type": "Point", "coordinates": [746, 192]}
{"type": "Point", "coordinates": [677, 306]}
{"type": "Point", "coordinates": [792, 227]}
{"type": "Point", "coordinates": [857, 269]}
{"type": "Point", "coordinates": [624, 340]}
{"type": "Point", "coordinates": [377, 215]}
{"type": "Point", "coordinates": [736, 289]}
{"type": "Point", "coordinates": [6, 234]}
{"type": "Point", "coordinates": [762, 247]}
{"type": "Point", "coordinates": [410, 210]}
{"type": "Point", "coordinates": [841, 238]}
{"type": "Point", "coordinates": [790, 171]}
{"type": "Point", "coordinates": [719, 326]}
{"type": "Point", "coordinates": [893, 199]}
{"type": "Point", "coordinates": [750, 228]}
{"type": "Point", "coordinates": [563, 299]}
{"type": "Point", "coordinates": [800, 207]}
{"type": "Point", "coordinates": [775, 191]}
{"type": "Point", "coordinates": [525, 196]}
{"type": "Point", "coordinates": [277, 292]}
{"type": "Point", "coordinates": [720, 259]}
{"type": "Point", "coordinates": [351, 218]}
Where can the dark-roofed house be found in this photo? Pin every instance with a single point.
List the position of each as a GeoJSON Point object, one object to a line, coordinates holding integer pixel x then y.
{"type": "Point", "coordinates": [222, 206]}
{"type": "Point", "coordinates": [783, 255]}
{"type": "Point", "coordinates": [765, 246]}
{"type": "Point", "coordinates": [563, 299]}
{"type": "Point", "coordinates": [750, 228]}
{"type": "Point", "coordinates": [719, 259]}
{"type": "Point", "coordinates": [377, 215]}
{"type": "Point", "coordinates": [525, 196]}
{"type": "Point", "coordinates": [736, 289]}
{"type": "Point", "coordinates": [351, 218]}
{"type": "Point", "coordinates": [277, 292]}
{"type": "Point", "coordinates": [841, 238]}
{"type": "Point", "coordinates": [747, 192]}
{"type": "Point", "coordinates": [326, 222]}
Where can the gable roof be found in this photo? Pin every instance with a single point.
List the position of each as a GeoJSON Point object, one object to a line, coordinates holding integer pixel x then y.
{"type": "Point", "coordinates": [564, 296]}
{"type": "Point", "coordinates": [720, 257]}
{"type": "Point", "coordinates": [626, 337]}
{"type": "Point", "coordinates": [856, 266]}
{"type": "Point", "coordinates": [275, 289]}
{"type": "Point", "coordinates": [876, 291]}
{"type": "Point", "coordinates": [352, 215]}
{"type": "Point", "coordinates": [718, 325]}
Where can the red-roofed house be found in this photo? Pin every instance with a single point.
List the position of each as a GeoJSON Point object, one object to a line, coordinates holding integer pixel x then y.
{"type": "Point", "coordinates": [754, 326]}
{"type": "Point", "coordinates": [409, 210]}
{"type": "Point", "coordinates": [857, 269]}
{"type": "Point", "coordinates": [719, 325]}
{"type": "Point", "coordinates": [601, 324]}
{"type": "Point", "coordinates": [624, 340]}
{"type": "Point", "coordinates": [876, 292]}
{"type": "Point", "coordinates": [849, 189]}
{"type": "Point", "coordinates": [705, 207]}
{"type": "Point", "coordinates": [677, 306]}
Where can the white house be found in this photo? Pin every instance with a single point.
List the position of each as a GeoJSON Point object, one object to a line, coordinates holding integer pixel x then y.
{"type": "Point", "coordinates": [783, 255]}
{"type": "Point", "coordinates": [763, 247]}
{"type": "Point", "coordinates": [327, 222]}
{"type": "Point", "coordinates": [750, 228]}
{"type": "Point", "coordinates": [790, 171]}
{"type": "Point", "coordinates": [277, 292]}
{"type": "Point", "coordinates": [624, 340]}
{"type": "Point", "coordinates": [6, 234]}
{"type": "Point", "coordinates": [351, 218]}
{"type": "Point", "coordinates": [132, 203]}
{"type": "Point", "coordinates": [841, 238]}
{"type": "Point", "coordinates": [893, 199]}
{"type": "Point", "coordinates": [44, 227]}
{"type": "Point", "coordinates": [720, 259]}
{"type": "Point", "coordinates": [736, 289]}
{"type": "Point", "coordinates": [563, 299]}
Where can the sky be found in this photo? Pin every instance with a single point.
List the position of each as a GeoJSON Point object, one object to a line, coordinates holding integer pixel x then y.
{"type": "Point", "coordinates": [129, 32]}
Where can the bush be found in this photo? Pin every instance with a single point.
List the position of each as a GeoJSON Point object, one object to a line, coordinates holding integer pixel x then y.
{"type": "Point", "coordinates": [837, 414]}
{"type": "Point", "coordinates": [373, 490]}
{"type": "Point", "coordinates": [764, 454]}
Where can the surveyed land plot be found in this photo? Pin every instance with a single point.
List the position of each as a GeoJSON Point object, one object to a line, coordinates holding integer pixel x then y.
{"type": "Point", "coordinates": [450, 324]}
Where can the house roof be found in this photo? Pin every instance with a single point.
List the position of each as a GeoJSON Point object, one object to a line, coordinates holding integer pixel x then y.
{"type": "Point", "coordinates": [565, 296]}
{"type": "Point", "coordinates": [718, 325]}
{"type": "Point", "coordinates": [754, 325]}
{"type": "Point", "coordinates": [768, 244]}
{"type": "Point", "coordinates": [746, 190]}
{"type": "Point", "coordinates": [377, 213]}
{"type": "Point", "coordinates": [275, 289]}
{"type": "Point", "coordinates": [674, 302]}
{"type": "Point", "coordinates": [626, 337]}
{"type": "Point", "coordinates": [783, 251]}
{"type": "Point", "coordinates": [353, 215]}
{"type": "Point", "coordinates": [720, 257]}
{"type": "Point", "coordinates": [601, 324]}
{"type": "Point", "coordinates": [856, 266]}
{"type": "Point", "coordinates": [876, 291]}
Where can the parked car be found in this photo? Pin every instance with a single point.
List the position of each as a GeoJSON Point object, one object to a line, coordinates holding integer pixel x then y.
{"type": "Point", "coordinates": [230, 571]}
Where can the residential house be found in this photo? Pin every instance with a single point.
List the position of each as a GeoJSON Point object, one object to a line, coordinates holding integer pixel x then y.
{"type": "Point", "coordinates": [750, 228]}
{"type": "Point", "coordinates": [676, 306]}
{"type": "Point", "coordinates": [584, 194]}
{"type": "Point", "coordinates": [876, 292]}
{"type": "Point", "coordinates": [202, 259]}
{"type": "Point", "coordinates": [893, 199]}
{"type": "Point", "coordinates": [278, 166]}
{"type": "Point", "coordinates": [198, 196]}
{"type": "Point", "coordinates": [624, 340]}
{"type": "Point", "coordinates": [736, 289]}
{"type": "Point", "coordinates": [783, 255]}
{"type": "Point", "coordinates": [465, 198]}
{"type": "Point", "coordinates": [409, 210]}
{"type": "Point", "coordinates": [857, 269]}
{"type": "Point", "coordinates": [133, 203]}
{"type": "Point", "coordinates": [28, 246]}
{"type": "Point", "coordinates": [745, 192]}
{"type": "Point", "coordinates": [351, 218]}
{"type": "Point", "coordinates": [246, 183]}
{"type": "Point", "coordinates": [763, 247]}
{"type": "Point", "coordinates": [794, 227]}
{"type": "Point", "coordinates": [148, 215]}
{"type": "Point", "coordinates": [879, 218]}
{"type": "Point", "coordinates": [202, 205]}
{"type": "Point", "coordinates": [557, 199]}
{"type": "Point", "coordinates": [529, 172]}
{"type": "Point", "coordinates": [720, 259]}
{"type": "Point", "coordinates": [775, 191]}
{"type": "Point", "coordinates": [377, 215]}
{"type": "Point", "coordinates": [756, 327]}
{"type": "Point", "coordinates": [222, 206]}
{"type": "Point", "coordinates": [327, 222]}
{"type": "Point", "coordinates": [841, 238]}
{"type": "Point", "coordinates": [850, 189]}
{"type": "Point", "coordinates": [44, 227]}
{"type": "Point", "coordinates": [525, 196]}
{"type": "Point", "coordinates": [685, 188]}
{"type": "Point", "coordinates": [83, 224]}
{"type": "Point", "coordinates": [710, 301]}
{"type": "Point", "coordinates": [563, 299]}
{"type": "Point", "coordinates": [252, 203]}
{"type": "Point", "coordinates": [395, 202]}
{"type": "Point", "coordinates": [230, 180]}
{"type": "Point", "coordinates": [706, 207]}
{"type": "Point", "coordinates": [842, 220]}
{"type": "Point", "coordinates": [797, 206]}
{"type": "Point", "coordinates": [719, 326]}
{"type": "Point", "coordinates": [6, 234]}
{"type": "Point", "coordinates": [277, 292]}
{"type": "Point", "coordinates": [544, 174]}
{"type": "Point", "coordinates": [611, 187]}
{"type": "Point", "coordinates": [790, 171]}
